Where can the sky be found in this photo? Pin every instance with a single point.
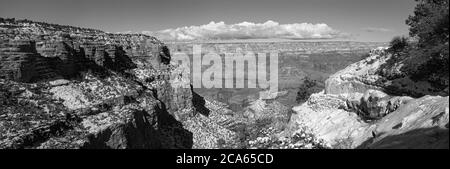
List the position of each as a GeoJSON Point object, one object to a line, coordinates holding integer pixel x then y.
{"type": "Point", "coordinates": [357, 20]}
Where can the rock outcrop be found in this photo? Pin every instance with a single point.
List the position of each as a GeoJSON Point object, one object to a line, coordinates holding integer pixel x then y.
{"type": "Point", "coordinates": [66, 51]}
{"type": "Point", "coordinates": [69, 87]}
{"type": "Point", "coordinates": [362, 108]}
{"type": "Point", "coordinates": [20, 61]}
{"type": "Point", "coordinates": [381, 71]}
{"type": "Point", "coordinates": [94, 113]}
{"type": "Point", "coordinates": [114, 111]}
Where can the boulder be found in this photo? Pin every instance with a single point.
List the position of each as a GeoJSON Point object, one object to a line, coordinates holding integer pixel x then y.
{"type": "Point", "coordinates": [377, 104]}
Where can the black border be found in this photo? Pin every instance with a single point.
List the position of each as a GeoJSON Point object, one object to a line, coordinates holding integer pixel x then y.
{"type": "Point", "coordinates": [144, 159]}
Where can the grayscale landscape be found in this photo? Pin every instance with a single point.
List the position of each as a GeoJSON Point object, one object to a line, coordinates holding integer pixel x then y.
{"type": "Point", "coordinates": [107, 76]}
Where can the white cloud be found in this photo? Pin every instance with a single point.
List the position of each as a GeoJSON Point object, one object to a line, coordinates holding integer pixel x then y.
{"type": "Point", "coordinates": [248, 30]}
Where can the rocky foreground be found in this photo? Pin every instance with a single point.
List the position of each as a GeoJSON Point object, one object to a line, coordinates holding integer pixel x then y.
{"type": "Point", "coordinates": [361, 108]}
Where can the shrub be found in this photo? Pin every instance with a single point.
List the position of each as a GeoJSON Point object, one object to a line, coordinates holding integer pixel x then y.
{"type": "Point", "coordinates": [430, 26]}
{"type": "Point", "coordinates": [307, 88]}
{"type": "Point", "coordinates": [430, 22]}
{"type": "Point", "coordinates": [300, 139]}
{"type": "Point", "coordinates": [398, 44]}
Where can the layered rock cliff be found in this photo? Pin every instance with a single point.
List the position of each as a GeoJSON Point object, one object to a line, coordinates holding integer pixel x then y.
{"type": "Point", "coordinates": [70, 87]}
{"type": "Point", "coordinates": [362, 107]}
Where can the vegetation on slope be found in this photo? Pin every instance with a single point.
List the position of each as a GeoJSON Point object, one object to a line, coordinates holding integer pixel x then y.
{"type": "Point", "coordinates": [427, 50]}
{"type": "Point", "coordinates": [307, 88]}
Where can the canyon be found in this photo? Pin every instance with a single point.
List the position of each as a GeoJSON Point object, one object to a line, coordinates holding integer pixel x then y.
{"type": "Point", "coordinates": [297, 60]}
{"type": "Point", "coordinates": [69, 87]}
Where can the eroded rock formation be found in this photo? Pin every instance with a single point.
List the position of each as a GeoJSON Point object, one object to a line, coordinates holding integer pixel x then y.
{"type": "Point", "coordinates": [69, 87]}
{"type": "Point", "coordinates": [360, 108]}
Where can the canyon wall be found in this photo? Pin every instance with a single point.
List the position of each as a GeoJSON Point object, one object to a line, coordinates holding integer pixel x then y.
{"type": "Point", "coordinates": [70, 87]}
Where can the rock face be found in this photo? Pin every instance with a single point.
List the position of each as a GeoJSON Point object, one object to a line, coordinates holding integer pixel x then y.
{"type": "Point", "coordinates": [371, 73]}
{"type": "Point", "coordinates": [422, 123]}
{"type": "Point", "coordinates": [114, 111]}
{"type": "Point", "coordinates": [69, 87]}
{"type": "Point", "coordinates": [20, 61]}
{"type": "Point", "coordinates": [362, 108]}
{"type": "Point", "coordinates": [375, 104]}
{"type": "Point", "coordinates": [268, 112]}
{"type": "Point", "coordinates": [52, 59]}
{"type": "Point", "coordinates": [108, 113]}
{"type": "Point", "coordinates": [326, 117]}
{"type": "Point", "coordinates": [66, 51]}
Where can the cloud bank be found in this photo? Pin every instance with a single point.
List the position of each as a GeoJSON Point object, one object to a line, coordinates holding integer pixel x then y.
{"type": "Point", "coordinates": [248, 30]}
{"type": "Point", "coordinates": [372, 29]}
